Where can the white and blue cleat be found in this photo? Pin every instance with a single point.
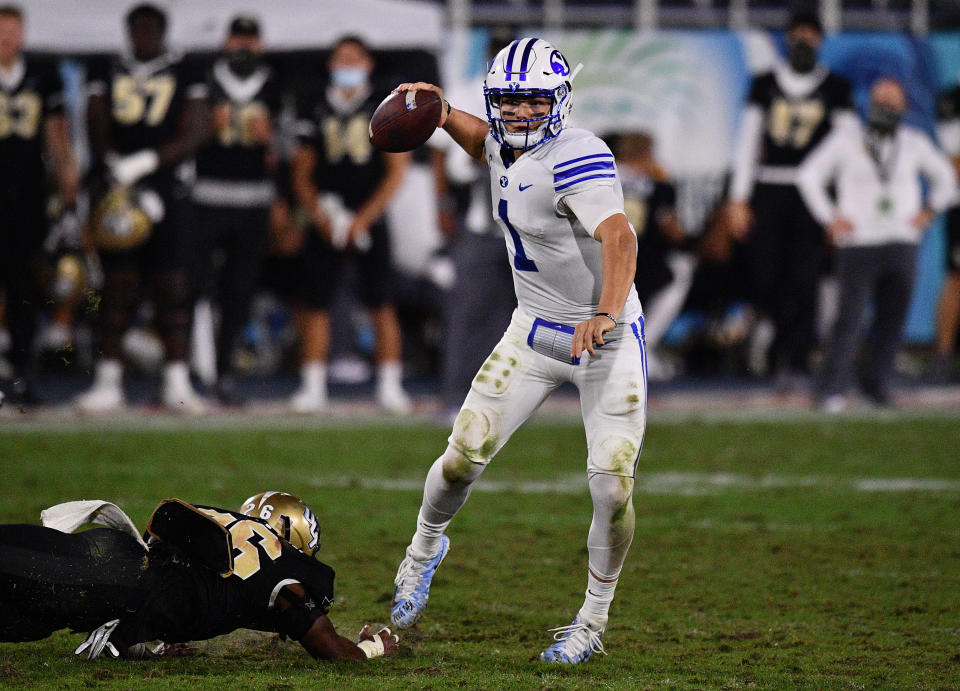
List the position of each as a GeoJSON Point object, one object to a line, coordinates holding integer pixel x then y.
{"type": "Point", "coordinates": [413, 586]}
{"type": "Point", "coordinates": [574, 644]}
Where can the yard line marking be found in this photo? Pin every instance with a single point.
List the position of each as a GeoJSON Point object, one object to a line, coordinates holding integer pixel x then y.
{"type": "Point", "coordinates": [668, 483]}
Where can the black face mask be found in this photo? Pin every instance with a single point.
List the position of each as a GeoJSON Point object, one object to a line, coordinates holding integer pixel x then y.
{"type": "Point", "coordinates": [883, 120]}
{"type": "Point", "coordinates": [243, 62]}
{"type": "Point", "coordinates": [803, 57]}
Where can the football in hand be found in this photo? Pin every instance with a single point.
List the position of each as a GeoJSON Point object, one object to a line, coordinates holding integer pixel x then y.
{"type": "Point", "coordinates": [405, 120]}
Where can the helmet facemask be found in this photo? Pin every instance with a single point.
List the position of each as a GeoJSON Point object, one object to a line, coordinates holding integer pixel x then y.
{"type": "Point", "coordinates": [538, 129]}
{"type": "Point", "coordinates": [529, 68]}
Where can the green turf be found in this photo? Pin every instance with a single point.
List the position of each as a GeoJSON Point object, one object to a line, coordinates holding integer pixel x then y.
{"type": "Point", "coordinates": [798, 579]}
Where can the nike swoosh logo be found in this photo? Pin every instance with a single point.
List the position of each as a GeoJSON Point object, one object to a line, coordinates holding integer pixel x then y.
{"type": "Point", "coordinates": [523, 187]}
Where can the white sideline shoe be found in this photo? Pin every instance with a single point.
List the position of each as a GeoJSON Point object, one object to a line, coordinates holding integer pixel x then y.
{"type": "Point", "coordinates": [183, 400]}
{"type": "Point", "coordinates": [574, 644]}
{"type": "Point", "coordinates": [393, 399]}
{"type": "Point", "coordinates": [308, 401]}
{"type": "Point", "coordinates": [101, 398]}
{"type": "Point", "coordinates": [178, 395]}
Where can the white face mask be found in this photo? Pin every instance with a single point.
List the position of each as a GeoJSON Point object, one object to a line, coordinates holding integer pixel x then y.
{"type": "Point", "coordinates": [349, 77]}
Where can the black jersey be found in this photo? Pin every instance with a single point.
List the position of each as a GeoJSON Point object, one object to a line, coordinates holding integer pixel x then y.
{"type": "Point", "coordinates": [948, 105]}
{"type": "Point", "coordinates": [231, 155]}
{"type": "Point", "coordinates": [37, 93]}
{"type": "Point", "coordinates": [347, 163]}
{"type": "Point", "coordinates": [146, 100]}
{"type": "Point", "coordinates": [794, 125]}
{"type": "Point", "coordinates": [188, 600]}
{"type": "Point", "coordinates": [645, 200]}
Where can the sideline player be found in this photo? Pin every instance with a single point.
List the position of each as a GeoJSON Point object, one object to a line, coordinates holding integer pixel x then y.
{"type": "Point", "coordinates": [948, 307]}
{"type": "Point", "coordinates": [557, 198]}
{"type": "Point", "coordinates": [344, 185]}
{"type": "Point", "coordinates": [789, 111]}
{"type": "Point", "coordinates": [204, 572]}
{"type": "Point", "coordinates": [32, 124]}
{"type": "Point", "coordinates": [234, 188]}
{"type": "Point", "coordinates": [147, 113]}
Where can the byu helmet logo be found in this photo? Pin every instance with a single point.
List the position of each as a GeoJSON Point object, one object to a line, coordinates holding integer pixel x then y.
{"type": "Point", "coordinates": [559, 63]}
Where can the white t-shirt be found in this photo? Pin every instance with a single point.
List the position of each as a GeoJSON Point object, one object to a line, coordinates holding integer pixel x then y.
{"type": "Point", "coordinates": [556, 262]}
{"type": "Point", "coordinates": [880, 201]}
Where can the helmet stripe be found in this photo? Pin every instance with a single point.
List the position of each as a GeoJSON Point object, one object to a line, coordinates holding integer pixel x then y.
{"type": "Point", "coordinates": [526, 56]}
{"type": "Point", "coordinates": [513, 51]}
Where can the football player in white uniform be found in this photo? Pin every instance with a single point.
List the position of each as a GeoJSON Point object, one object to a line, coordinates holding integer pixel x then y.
{"type": "Point", "coordinates": [557, 198]}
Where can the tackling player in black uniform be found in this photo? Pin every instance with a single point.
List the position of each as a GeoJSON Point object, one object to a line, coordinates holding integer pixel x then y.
{"type": "Point", "coordinates": [789, 111]}
{"type": "Point", "coordinates": [234, 187]}
{"type": "Point", "coordinates": [146, 113]}
{"type": "Point", "coordinates": [344, 185]}
{"type": "Point", "coordinates": [206, 572]}
{"type": "Point", "coordinates": [32, 123]}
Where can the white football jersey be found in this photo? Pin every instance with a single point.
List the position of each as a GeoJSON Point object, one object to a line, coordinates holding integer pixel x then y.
{"type": "Point", "coordinates": [556, 262]}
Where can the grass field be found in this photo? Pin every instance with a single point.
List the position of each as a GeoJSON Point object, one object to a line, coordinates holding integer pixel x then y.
{"type": "Point", "coordinates": [813, 554]}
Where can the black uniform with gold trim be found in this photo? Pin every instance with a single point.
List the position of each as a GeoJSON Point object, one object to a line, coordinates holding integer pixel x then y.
{"type": "Point", "coordinates": [348, 166]}
{"type": "Point", "coordinates": [232, 196]}
{"type": "Point", "coordinates": [948, 112]}
{"type": "Point", "coordinates": [146, 101]}
{"type": "Point", "coordinates": [795, 125]}
{"type": "Point", "coordinates": [213, 571]}
{"type": "Point", "coordinates": [785, 251]}
{"type": "Point", "coordinates": [231, 155]}
{"type": "Point", "coordinates": [32, 93]}
{"type": "Point", "coordinates": [347, 163]}
{"type": "Point", "coordinates": [645, 200]}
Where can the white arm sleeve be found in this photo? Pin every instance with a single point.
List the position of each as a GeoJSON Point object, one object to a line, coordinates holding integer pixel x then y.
{"type": "Point", "coordinates": [593, 206]}
{"type": "Point", "coordinates": [745, 154]}
{"type": "Point", "coordinates": [817, 170]}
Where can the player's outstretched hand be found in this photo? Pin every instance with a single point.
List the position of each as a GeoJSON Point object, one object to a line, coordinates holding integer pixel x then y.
{"type": "Point", "coordinates": [174, 650]}
{"type": "Point", "coordinates": [585, 334]}
{"type": "Point", "coordinates": [390, 641]}
{"type": "Point", "coordinates": [425, 86]}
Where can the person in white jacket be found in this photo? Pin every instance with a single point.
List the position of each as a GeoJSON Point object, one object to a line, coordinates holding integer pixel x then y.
{"type": "Point", "coordinates": [876, 223]}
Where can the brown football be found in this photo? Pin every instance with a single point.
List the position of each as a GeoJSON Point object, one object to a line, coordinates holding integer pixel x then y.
{"type": "Point", "coordinates": [404, 120]}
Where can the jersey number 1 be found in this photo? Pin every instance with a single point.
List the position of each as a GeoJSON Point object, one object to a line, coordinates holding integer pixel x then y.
{"type": "Point", "coordinates": [520, 260]}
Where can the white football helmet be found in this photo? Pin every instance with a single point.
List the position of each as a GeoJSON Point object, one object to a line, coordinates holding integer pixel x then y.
{"type": "Point", "coordinates": [529, 67]}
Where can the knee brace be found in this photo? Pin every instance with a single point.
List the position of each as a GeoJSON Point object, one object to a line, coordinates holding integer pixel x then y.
{"type": "Point", "coordinates": [614, 455]}
{"type": "Point", "coordinates": [475, 435]}
{"type": "Point", "coordinates": [457, 469]}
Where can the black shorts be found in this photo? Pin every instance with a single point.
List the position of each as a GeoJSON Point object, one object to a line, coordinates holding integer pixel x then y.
{"type": "Point", "coordinates": [953, 240]}
{"type": "Point", "coordinates": [51, 580]}
{"type": "Point", "coordinates": [320, 268]}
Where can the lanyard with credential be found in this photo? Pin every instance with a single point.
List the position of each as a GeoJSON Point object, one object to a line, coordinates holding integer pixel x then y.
{"type": "Point", "coordinates": [884, 166]}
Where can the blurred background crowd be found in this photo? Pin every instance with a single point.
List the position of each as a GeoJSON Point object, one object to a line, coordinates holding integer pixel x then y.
{"type": "Point", "coordinates": [191, 213]}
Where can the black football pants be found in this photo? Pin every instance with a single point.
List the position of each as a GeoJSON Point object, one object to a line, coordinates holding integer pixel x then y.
{"type": "Point", "coordinates": [785, 254]}
{"type": "Point", "coordinates": [51, 580]}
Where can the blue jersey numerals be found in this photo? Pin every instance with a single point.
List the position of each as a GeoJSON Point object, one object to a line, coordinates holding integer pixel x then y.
{"type": "Point", "coordinates": [520, 260]}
